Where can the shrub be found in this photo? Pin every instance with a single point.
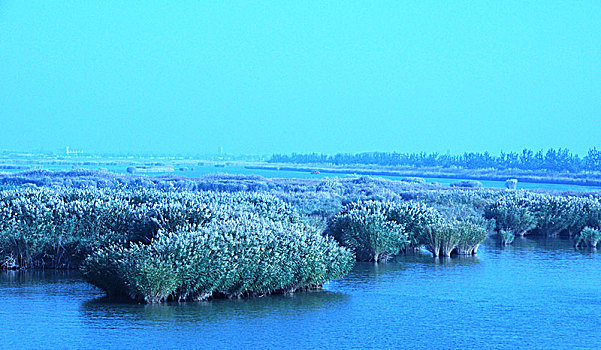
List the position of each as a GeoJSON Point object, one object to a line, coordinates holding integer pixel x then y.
{"type": "Point", "coordinates": [440, 239]}
{"type": "Point", "coordinates": [414, 180]}
{"type": "Point", "coordinates": [368, 230]}
{"type": "Point", "coordinates": [511, 215]}
{"type": "Point", "coordinates": [553, 214]}
{"type": "Point", "coordinates": [583, 212]}
{"type": "Point", "coordinates": [511, 184]}
{"type": "Point", "coordinates": [444, 238]}
{"type": "Point", "coordinates": [506, 237]}
{"type": "Point", "coordinates": [467, 183]}
{"type": "Point", "coordinates": [246, 256]}
{"type": "Point", "coordinates": [588, 237]}
{"type": "Point", "coordinates": [415, 217]}
{"type": "Point", "coordinates": [470, 237]}
{"type": "Point", "coordinates": [58, 228]}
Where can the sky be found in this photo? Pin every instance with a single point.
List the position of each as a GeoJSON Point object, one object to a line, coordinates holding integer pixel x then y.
{"type": "Point", "coordinates": [188, 77]}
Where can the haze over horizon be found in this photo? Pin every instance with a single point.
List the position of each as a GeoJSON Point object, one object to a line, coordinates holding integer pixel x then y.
{"type": "Point", "coordinates": [281, 77]}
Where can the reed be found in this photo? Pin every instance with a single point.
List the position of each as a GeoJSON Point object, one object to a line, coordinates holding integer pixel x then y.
{"type": "Point", "coordinates": [588, 237]}
{"type": "Point", "coordinates": [506, 237]}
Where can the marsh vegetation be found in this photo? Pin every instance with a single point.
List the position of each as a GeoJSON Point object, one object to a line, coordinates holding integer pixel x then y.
{"type": "Point", "coordinates": [160, 239]}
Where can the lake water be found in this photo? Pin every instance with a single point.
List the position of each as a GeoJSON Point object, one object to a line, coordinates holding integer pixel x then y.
{"type": "Point", "coordinates": [533, 294]}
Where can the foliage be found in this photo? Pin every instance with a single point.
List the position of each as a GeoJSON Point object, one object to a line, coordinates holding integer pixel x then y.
{"type": "Point", "coordinates": [414, 216]}
{"type": "Point", "coordinates": [553, 214]}
{"type": "Point", "coordinates": [368, 229]}
{"type": "Point", "coordinates": [506, 237]}
{"type": "Point", "coordinates": [440, 239]}
{"type": "Point", "coordinates": [467, 183]}
{"type": "Point", "coordinates": [249, 255]}
{"type": "Point", "coordinates": [511, 214]}
{"type": "Point", "coordinates": [470, 237]}
{"type": "Point", "coordinates": [550, 215]}
{"type": "Point", "coordinates": [552, 159]}
{"type": "Point", "coordinates": [588, 237]}
{"type": "Point", "coordinates": [57, 228]}
{"type": "Point", "coordinates": [444, 238]}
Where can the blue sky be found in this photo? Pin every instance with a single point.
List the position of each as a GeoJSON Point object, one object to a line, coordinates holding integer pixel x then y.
{"type": "Point", "coordinates": [307, 76]}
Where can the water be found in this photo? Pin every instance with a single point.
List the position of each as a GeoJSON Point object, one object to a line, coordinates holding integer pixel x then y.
{"type": "Point", "coordinates": [534, 294]}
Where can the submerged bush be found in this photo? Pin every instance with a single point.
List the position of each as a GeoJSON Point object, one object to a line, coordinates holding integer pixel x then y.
{"type": "Point", "coordinates": [553, 214]}
{"type": "Point", "coordinates": [368, 230]}
{"type": "Point", "coordinates": [415, 217]}
{"type": "Point", "coordinates": [588, 237]}
{"type": "Point", "coordinates": [246, 256]}
{"type": "Point", "coordinates": [506, 237]}
{"type": "Point", "coordinates": [440, 239]}
{"type": "Point", "coordinates": [511, 215]}
{"type": "Point", "coordinates": [378, 230]}
{"type": "Point", "coordinates": [550, 215]}
{"type": "Point", "coordinates": [470, 237]}
{"type": "Point", "coordinates": [444, 238]}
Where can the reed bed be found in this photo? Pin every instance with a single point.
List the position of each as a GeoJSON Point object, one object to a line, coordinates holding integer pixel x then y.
{"type": "Point", "coordinates": [158, 239]}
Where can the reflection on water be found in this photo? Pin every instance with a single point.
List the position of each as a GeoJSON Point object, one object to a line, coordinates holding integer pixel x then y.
{"type": "Point", "coordinates": [535, 293]}
{"type": "Point", "coordinates": [97, 311]}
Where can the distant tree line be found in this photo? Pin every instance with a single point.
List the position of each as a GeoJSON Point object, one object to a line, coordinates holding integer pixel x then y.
{"type": "Point", "coordinates": [553, 159]}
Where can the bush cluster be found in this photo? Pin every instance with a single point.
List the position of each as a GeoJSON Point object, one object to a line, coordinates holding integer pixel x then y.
{"type": "Point", "coordinates": [57, 228]}
{"type": "Point", "coordinates": [154, 245]}
{"type": "Point", "coordinates": [588, 237]}
{"type": "Point", "coordinates": [368, 229]}
{"type": "Point", "coordinates": [376, 231]}
{"type": "Point", "coordinates": [523, 213]}
{"type": "Point", "coordinates": [249, 255]}
{"type": "Point", "coordinates": [446, 238]}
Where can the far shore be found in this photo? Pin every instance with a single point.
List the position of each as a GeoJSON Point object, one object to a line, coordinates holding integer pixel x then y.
{"type": "Point", "coordinates": [176, 164]}
{"type": "Point", "coordinates": [579, 179]}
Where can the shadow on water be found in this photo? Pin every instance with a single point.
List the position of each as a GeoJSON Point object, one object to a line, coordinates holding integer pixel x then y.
{"type": "Point", "coordinates": [370, 276]}
{"type": "Point", "coordinates": [548, 247]}
{"type": "Point", "coordinates": [33, 277]}
{"type": "Point", "coordinates": [213, 311]}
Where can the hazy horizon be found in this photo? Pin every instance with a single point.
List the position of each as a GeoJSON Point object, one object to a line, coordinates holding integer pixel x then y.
{"type": "Point", "coordinates": [349, 77]}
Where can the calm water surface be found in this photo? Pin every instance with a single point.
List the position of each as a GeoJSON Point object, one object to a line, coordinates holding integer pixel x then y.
{"type": "Point", "coordinates": [534, 294]}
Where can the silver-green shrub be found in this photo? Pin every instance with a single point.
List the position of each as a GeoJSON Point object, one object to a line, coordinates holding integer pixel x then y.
{"type": "Point", "coordinates": [415, 216]}
{"type": "Point", "coordinates": [249, 255]}
{"type": "Point", "coordinates": [447, 237]}
{"type": "Point", "coordinates": [470, 237]}
{"type": "Point", "coordinates": [506, 237]}
{"type": "Point", "coordinates": [368, 229]}
{"type": "Point", "coordinates": [511, 214]}
{"type": "Point", "coordinates": [440, 239]}
{"type": "Point", "coordinates": [57, 228]}
{"type": "Point", "coordinates": [588, 237]}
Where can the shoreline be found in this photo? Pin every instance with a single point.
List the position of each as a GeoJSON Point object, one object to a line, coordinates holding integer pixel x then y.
{"type": "Point", "coordinates": [537, 179]}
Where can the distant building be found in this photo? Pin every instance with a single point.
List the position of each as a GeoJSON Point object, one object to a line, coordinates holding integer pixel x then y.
{"type": "Point", "coordinates": [71, 152]}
